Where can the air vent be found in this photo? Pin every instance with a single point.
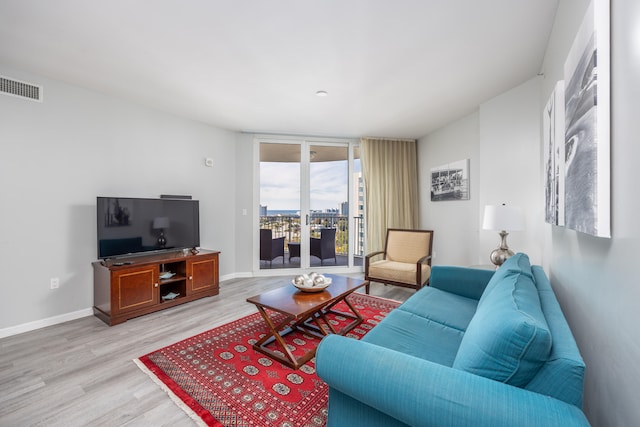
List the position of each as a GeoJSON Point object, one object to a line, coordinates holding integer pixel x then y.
{"type": "Point", "coordinates": [20, 89]}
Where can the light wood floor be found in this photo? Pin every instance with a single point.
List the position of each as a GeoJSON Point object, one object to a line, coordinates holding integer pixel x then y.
{"type": "Point", "coordinates": [81, 372]}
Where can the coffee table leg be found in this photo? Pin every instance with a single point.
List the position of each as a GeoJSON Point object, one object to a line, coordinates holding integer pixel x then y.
{"type": "Point", "coordinates": [356, 316]}
{"type": "Point", "coordinates": [322, 314]}
{"type": "Point", "coordinates": [260, 346]}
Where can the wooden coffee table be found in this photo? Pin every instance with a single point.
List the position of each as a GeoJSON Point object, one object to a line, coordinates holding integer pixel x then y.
{"type": "Point", "coordinates": [307, 311]}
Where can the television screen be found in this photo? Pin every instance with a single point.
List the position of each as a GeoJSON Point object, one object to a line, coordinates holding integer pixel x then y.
{"type": "Point", "coordinates": [128, 226]}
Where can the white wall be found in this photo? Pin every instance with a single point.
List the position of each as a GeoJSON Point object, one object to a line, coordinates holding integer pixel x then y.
{"type": "Point", "coordinates": [247, 224]}
{"type": "Point", "coordinates": [502, 141]}
{"type": "Point", "coordinates": [596, 279]}
{"type": "Point", "coordinates": [57, 156]}
{"type": "Point", "coordinates": [510, 166]}
{"type": "Point", "coordinates": [454, 223]}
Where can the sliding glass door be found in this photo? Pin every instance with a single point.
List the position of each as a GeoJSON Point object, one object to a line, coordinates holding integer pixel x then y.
{"type": "Point", "coordinates": [309, 205]}
{"type": "Point", "coordinates": [328, 205]}
{"type": "Point", "coordinates": [280, 205]}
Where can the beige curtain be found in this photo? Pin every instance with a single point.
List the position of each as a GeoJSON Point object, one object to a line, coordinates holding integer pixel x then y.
{"type": "Point", "coordinates": [389, 168]}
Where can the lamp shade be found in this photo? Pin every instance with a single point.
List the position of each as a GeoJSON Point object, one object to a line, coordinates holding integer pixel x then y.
{"type": "Point", "coordinates": [161, 222]}
{"type": "Point", "coordinates": [499, 218]}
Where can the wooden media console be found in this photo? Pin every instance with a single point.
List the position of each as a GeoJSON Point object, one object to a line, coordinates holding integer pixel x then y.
{"type": "Point", "coordinates": [123, 289]}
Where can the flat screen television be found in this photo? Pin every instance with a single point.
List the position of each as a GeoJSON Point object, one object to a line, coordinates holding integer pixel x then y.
{"type": "Point", "coordinates": [131, 226]}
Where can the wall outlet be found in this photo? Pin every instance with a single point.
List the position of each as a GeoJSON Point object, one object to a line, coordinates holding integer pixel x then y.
{"type": "Point", "coordinates": [55, 283]}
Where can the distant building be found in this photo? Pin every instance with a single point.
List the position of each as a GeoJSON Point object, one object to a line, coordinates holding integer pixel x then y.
{"type": "Point", "coordinates": [344, 208]}
{"type": "Point", "coordinates": [358, 183]}
{"type": "Point", "coordinates": [263, 210]}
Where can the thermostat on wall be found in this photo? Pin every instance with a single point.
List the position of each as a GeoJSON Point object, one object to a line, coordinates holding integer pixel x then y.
{"type": "Point", "coordinates": [208, 162]}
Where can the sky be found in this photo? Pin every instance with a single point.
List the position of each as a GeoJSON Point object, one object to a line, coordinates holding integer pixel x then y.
{"type": "Point", "coordinates": [280, 185]}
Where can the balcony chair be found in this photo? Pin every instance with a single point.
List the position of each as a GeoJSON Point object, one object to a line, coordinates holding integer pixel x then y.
{"type": "Point", "coordinates": [270, 248]}
{"type": "Point", "coordinates": [325, 246]}
{"type": "Point", "coordinates": [406, 259]}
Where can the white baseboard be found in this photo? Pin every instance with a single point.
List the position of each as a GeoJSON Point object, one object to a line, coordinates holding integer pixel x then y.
{"type": "Point", "coordinates": [37, 324]}
{"type": "Point", "coordinates": [236, 276]}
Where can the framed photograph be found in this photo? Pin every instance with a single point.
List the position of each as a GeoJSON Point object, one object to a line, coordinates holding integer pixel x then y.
{"type": "Point", "coordinates": [587, 125]}
{"type": "Point", "coordinates": [450, 181]}
{"type": "Point", "coordinates": [553, 134]}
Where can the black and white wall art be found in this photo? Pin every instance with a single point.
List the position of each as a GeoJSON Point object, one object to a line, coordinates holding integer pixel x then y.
{"type": "Point", "coordinates": [450, 181]}
{"type": "Point", "coordinates": [587, 124]}
{"type": "Point", "coordinates": [553, 134]}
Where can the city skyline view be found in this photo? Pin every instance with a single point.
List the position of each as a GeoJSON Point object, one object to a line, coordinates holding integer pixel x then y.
{"type": "Point", "coordinates": [280, 185]}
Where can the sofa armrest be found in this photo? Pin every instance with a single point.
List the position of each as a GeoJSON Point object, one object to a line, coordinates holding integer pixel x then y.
{"type": "Point", "coordinates": [467, 282]}
{"type": "Point", "coordinates": [419, 392]}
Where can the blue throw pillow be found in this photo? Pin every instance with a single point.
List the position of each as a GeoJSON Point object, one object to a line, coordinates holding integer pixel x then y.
{"type": "Point", "coordinates": [508, 339]}
{"type": "Point", "coordinates": [519, 263]}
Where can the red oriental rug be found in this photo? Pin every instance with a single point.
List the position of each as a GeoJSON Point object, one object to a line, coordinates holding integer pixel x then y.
{"type": "Point", "coordinates": [219, 380]}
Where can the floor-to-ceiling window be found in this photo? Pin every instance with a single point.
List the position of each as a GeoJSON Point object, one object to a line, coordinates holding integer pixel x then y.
{"type": "Point", "coordinates": [310, 204]}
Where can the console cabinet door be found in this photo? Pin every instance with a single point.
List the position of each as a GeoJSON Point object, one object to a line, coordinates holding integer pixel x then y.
{"type": "Point", "coordinates": [202, 273]}
{"type": "Point", "coordinates": [134, 288]}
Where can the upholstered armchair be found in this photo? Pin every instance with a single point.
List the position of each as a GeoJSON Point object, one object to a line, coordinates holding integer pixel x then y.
{"type": "Point", "coordinates": [325, 246]}
{"type": "Point", "coordinates": [270, 248]}
{"type": "Point", "coordinates": [406, 259]}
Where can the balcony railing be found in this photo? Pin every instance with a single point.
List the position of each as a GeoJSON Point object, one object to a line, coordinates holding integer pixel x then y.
{"type": "Point", "coordinates": [289, 227]}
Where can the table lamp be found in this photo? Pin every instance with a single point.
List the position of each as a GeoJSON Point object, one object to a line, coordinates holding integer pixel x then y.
{"type": "Point", "coordinates": [502, 218]}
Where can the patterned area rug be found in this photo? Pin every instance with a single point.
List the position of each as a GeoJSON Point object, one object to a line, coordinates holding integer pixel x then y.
{"type": "Point", "coordinates": [219, 380]}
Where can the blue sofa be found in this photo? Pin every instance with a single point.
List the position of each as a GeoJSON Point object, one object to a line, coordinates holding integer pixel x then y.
{"type": "Point", "coordinates": [476, 348]}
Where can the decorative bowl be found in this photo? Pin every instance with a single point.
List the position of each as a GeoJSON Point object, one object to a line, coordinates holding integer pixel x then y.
{"type": "Point", "coordinates": [308, 284]}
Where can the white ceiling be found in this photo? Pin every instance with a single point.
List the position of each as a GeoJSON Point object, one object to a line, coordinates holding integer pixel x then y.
{"type": "Point", "coordinates": [392, 68]}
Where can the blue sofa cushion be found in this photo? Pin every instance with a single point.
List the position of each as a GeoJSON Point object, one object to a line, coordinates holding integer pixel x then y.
{"type": "Point", "coordinates": [519, 263]}
{"type": "Point", "coordinates": [508, 339]}
{"type": "Point", "coordinates": [562, 377]}
{"type": "Point", "coordinates": [417, 336]}
{"type": "Point", "coordinates": [435, 304]}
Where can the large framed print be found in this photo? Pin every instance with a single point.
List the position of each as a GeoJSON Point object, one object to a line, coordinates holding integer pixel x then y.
{"type": "Point", "coordinates": [587, 125]}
